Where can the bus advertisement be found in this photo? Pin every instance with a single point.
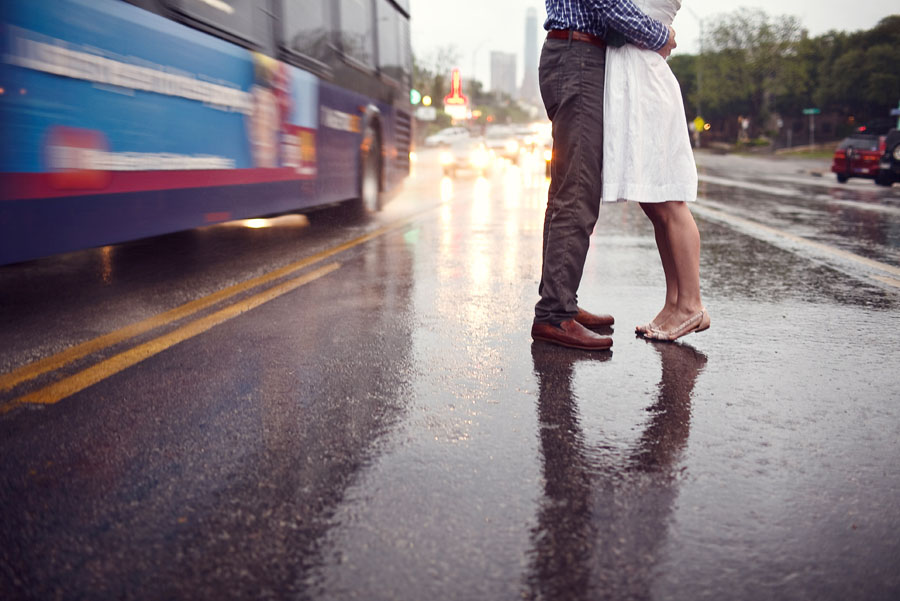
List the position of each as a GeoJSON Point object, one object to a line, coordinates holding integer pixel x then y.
{"type": "Point", "coordinates": [126, 119]}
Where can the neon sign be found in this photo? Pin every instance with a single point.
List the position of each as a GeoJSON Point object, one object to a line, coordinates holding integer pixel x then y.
{"type": "Point", "coordinates": [456, 97]}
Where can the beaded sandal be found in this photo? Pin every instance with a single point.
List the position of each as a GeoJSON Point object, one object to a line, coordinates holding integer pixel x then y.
{"type": "Point", "coordinates": [695, 323]}
{"type": "Point", "coordinates": [642, 330]}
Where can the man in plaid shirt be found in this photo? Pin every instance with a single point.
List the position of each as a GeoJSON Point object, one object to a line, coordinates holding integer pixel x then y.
{"type": "Point", "coordinates": [571, 74]}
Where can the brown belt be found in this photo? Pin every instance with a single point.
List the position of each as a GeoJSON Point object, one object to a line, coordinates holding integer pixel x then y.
{"type": "Point", "coordinates": [563, 34]}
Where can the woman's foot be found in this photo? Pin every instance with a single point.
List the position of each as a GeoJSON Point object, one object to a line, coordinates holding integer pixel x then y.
{"type": "Point", "coordinates": [697, 322]}
{"type": "Point", "coordinates": [642, 330]}
{"type": "Point", "coordinates": [654, 324]}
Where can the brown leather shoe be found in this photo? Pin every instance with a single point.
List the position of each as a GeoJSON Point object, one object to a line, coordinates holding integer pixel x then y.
{"type": "Point", "coordinates": [571, 334]}
{"type": "Point", "coordinates": [591, 321]}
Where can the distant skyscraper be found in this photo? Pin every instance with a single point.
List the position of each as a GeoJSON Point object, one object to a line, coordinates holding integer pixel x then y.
{"type": "Point", "coordinates": [503, 73]}
{"type": "Point", "coordinates": [530, 92]}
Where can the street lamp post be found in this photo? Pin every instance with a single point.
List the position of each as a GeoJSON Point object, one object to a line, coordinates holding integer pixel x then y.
{"type": "Point", "coordinates": [474, 56]}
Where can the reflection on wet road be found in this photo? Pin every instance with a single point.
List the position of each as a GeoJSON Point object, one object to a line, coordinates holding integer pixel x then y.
{"type": "Point", "coordinates": [388, 430]}
{"type": "Point", "coordinates": [605, 510]}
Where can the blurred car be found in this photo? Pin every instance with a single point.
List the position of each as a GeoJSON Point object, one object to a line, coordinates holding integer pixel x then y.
{"type": "Point", "coordinates": [858, 156]}
{"type": "Point", "coordinates": [889, 165]}
{"type": "Point", "coordinates": [539, 140]}
{"type": "Point", "coordinates": [447, 136]}
{"type": "Point", "coordinates": [879, 126]}
{"type": "Point", "coordinates": [469, 154]}
{"type": "Point", "coordinates": [503, 142]}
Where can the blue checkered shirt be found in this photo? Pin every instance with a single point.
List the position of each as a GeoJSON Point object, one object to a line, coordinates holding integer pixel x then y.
{"type": "Point", "coordinates": [595, 16]}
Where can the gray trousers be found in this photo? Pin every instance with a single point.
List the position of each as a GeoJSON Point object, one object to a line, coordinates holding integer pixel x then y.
{"type": "Point", "coordinates": [571, 77]}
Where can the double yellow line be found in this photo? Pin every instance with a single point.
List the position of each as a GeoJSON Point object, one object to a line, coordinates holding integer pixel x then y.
{"type": "Point", "coordinates": [70, 385]}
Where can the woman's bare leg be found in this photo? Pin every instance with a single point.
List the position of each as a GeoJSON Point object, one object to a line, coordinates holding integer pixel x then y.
{"type": "Point", "coordinates": [680, 248]}
{"type": "Point", "coordinates": [668, 264]}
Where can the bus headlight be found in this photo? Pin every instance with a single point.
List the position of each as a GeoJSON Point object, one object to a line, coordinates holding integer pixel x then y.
{"type": "Point", "coordinates": [446, 158]}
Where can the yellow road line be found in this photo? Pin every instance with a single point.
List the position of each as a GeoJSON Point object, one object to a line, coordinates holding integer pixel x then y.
{"type": "Point", "coordinates": [75, 383]}
{"type": "Point", "coordinates": [831, 250]}
{"type": "Point", "coordinates": [32, 370]}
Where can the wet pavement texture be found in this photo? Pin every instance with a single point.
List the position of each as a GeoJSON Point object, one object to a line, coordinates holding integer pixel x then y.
{"type": "Point", "coordinates": [390, 431]}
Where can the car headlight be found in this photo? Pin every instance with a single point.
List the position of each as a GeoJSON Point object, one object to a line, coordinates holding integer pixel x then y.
{"type": "Point", "coordinates": [479, 158]}
{"type": "Point", "coordinates": [897, 152]}
{"type": "Point", "coordinates": [548, 155]}
{"type": "Point", "coordinates": [446, 158]}
{"type": "Point", "coordinates": [512, 146]}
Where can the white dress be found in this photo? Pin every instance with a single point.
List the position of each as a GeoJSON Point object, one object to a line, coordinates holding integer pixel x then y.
{"type": "Point", "coordinates": [647, 155]}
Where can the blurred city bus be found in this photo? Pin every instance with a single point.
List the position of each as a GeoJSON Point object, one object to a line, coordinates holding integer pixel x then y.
{"type": "Point", "coordinates": [125, 119]}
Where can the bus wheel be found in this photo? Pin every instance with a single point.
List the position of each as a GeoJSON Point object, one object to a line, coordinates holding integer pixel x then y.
{"type": "Point", "coordinates": [369, 177]}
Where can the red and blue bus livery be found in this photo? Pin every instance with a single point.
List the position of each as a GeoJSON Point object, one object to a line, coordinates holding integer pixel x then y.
{"type": "Point", "coordinates": [122, 120]}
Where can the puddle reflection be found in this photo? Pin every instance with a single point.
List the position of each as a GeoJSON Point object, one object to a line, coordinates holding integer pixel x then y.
{"type": "Point", "coordinates": [605, 514]}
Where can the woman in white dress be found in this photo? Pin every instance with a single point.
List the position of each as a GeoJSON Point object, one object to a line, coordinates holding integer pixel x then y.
{"type": "Point", "coordinates": [647, 158]}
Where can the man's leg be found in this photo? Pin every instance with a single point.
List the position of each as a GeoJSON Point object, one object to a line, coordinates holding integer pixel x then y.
{"type": "Point", "coordinates": [571, 79]}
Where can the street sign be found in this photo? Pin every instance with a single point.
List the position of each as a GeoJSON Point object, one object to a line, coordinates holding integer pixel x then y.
{"type": "Point", "coordinates": [426, 113]}
{"type": "Point", "coordinates": [812, 124]}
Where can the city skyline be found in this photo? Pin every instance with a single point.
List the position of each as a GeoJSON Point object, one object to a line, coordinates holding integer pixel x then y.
{"type": "Point", "coordinates": [477, 28]}
{"type": "Point", "coordinates": [504, 75]}
{"type": "Point", "coordinates": [529, 91]}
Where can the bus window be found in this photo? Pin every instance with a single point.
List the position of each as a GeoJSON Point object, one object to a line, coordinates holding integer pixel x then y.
{"type": "Point", "coordinates": [393, 42]}
{"type": "Point", "coordinates": [235, 17]}
{"type": "Point", "coordinates": [307, 27]}
{"type": "Point", "coordinates": [357, 39]}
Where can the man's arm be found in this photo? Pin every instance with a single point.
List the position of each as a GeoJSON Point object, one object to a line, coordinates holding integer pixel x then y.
{"type": "Point", "coordinates": [670, 45]}
{"type": "Point", "coordinates": [637, 27]}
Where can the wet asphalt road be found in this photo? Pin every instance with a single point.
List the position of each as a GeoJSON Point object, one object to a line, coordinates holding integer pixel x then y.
{"type": "Point", "coordinates": [373, 421]}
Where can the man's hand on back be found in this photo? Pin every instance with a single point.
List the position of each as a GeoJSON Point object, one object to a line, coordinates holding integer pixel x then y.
{"type": "Point", "coordinates": [669, 46]}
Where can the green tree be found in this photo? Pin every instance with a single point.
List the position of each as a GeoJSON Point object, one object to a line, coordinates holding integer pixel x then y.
{"type": "Point", "coordinates": [750, 64]}
{"type": "Point", "coordinates": [858, 72]}
{"type": "Point", "coordinates": [685, 68]}
{"type": "Point", "coordinates": [431, 76]}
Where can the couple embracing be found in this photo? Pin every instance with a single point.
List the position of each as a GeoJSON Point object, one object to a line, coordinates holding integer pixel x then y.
{"type": "Point", "coordinates": [619, 134]}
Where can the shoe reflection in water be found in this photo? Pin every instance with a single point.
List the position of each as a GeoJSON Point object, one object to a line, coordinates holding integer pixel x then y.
{"type": "Point", "coordinates": [605, 511]}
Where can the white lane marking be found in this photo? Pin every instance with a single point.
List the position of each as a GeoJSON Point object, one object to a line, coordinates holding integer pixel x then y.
{"type": "Point", "coordinates": [884, 272]}
{"type": "Point", "coordinates": [733, 183]}
{"type": "Point", "coordinates": [827, 181]}
{"type": "Point", "coordinates": [774, 191]}
{"type": "Point", "coordinates": [862, 206]}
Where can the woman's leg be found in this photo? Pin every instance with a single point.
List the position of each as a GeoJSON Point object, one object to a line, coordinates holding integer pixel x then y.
{"type": "Point", "coordinates": [665, 256]}
{"type": "Point", "coordinates": [682, 247]}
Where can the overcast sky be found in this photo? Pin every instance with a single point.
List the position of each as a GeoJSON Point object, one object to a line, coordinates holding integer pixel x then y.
{"type": "Point", "coordinates": [476, 27]}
